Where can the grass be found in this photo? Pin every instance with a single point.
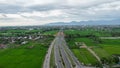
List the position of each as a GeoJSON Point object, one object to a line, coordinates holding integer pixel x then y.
{"type": "Point", "coordinates": [71, 32]}
{"type": "Point", "coordinates": [104, 48]}
{"type": "Point", "coordinates": [112, 49]}
{"type": "Point", "coordinates": [101, 52]}
{"type": "Point", "coordinates": [108, 47]}
{"type": "Point", "coordinates": [87, 41]}
{"type": "Point", "coordinates": [16, 32]}
{"type": "Point", "coordinates": [87, 32]}
{"type": "Point", "coordinates": [20, 31]}
{"type": "Point", "coordinates": [112, 46]}
{"type": "Point", "coordinates": [22, 58]}
{"type": "Point", "coordinates": [29, 55]}
{"type": "Point", "coordinates": [113, 42]}
{"type": "Point", "coordinates": [51, 32]}
{"type": "Point", "coordinates": [52, 59]}
{"type": "Point", "coordinates": [84, 56]}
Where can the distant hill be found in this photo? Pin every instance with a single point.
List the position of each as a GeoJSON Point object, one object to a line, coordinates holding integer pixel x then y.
{"type": "Point", "coordinates": [100, 22]}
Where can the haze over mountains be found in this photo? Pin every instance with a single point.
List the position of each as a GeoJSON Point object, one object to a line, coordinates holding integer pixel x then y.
{"type": "Point", "coordinates": [99, 22]}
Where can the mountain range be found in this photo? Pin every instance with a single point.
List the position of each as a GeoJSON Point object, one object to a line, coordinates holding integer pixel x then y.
{"type": "Point", "coordinates": [98, 22]}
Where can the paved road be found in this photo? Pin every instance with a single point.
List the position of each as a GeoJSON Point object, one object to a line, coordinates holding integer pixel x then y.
{"type": "Point", "coordinates": [57, 55]}
{"type": "Point", "coordinates": [64, 58]}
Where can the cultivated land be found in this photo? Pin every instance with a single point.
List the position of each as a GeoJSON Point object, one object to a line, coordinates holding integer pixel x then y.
{"type": "Point", "coordinates": [23, 48]}
{"type": "Point", "coordinates": [105, 48]}
{"type": "Point", "coordinates": [30, 47]}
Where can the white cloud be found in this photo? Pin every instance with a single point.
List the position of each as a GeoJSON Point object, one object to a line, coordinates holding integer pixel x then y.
{"type": "Point", "coordinates": [44, 11]}
{"type": "Point", "coordinates": [43, 14]}
{"type": "Point", "coordinates": [13, 16]}
{"type": "Point", "coordinates": [29, 2]}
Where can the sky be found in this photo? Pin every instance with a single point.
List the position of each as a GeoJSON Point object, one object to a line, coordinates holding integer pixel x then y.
{"type": "Point", "coordinates": [39, 12]}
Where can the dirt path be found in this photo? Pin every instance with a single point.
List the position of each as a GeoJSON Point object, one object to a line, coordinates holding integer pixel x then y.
{"type": "Point", "coordinates": [109, 37]}
{"type": "Point", "coordinates": [92, 52]}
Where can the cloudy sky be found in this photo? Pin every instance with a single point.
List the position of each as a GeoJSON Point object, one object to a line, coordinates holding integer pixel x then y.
{"type": "Point", "coordinates": [38, 12]}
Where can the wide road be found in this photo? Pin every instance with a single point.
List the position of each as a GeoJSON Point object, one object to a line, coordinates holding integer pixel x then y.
{"type": "Point", "coordinates": [63, 56]}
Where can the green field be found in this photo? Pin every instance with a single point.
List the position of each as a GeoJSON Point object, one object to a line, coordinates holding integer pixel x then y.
{"type": "Point", "coordinates": [50, 32]}
{"type": "Point", "coordinates": [32, 54]}
{"type": "Point", "coordinates": [108, 47]}
{"type": "Point", "coordinates": [87, 32]}
{"type": "Point", "coordinates": [101, 52]}
{"type": "Point", "coordinates": [87, 41]}
{"type": "Point", "coordinates": [18, 32]}
{"type": "Point", "coordinates": [84, 56]}
{"type": "Point", "coordinates": [29, 55]}
{"type": "Point", "coordinates": [104, 48]}
{"type": "Point", "coordinates": [22, 57]}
